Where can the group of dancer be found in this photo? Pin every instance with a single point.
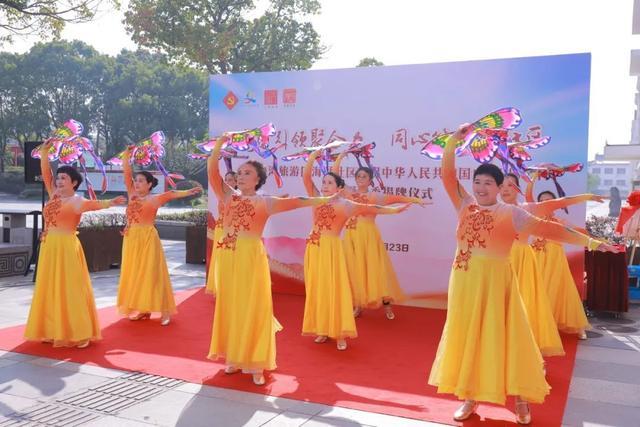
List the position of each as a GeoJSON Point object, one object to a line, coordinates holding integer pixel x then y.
{"type": "Point", "coordinates": [501, 318]}
{"type": "Point", "coordinates": [335, 271]}
{"type": "Point", "coordinates": [63, 310]}
{"type": "Point", "coordinates": [500, 322]}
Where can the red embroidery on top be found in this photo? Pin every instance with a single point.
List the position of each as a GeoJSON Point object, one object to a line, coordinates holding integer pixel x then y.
{"type": "Point", "coordinates": [50, 213]}
{"type": "Point", "coordinates": [220, 221]}
{"type": "Point", "coordinates": [540, 243]}
{"type": "Point", "coordinates": [474, 230]}
{"type": "Point", "coordinates": [323, 220]}
{"type": "Point", "coordinates": [363, 198]}
{"type": "Point", "coordinates": [241, 211]}
{"type": "Point", "coordinates": [352, 223]}
{"type": "Point", "coordinates": [134, 208]}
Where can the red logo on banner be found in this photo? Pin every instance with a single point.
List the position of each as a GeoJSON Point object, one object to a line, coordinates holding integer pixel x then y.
{"type": "Point", "coordinates": [230, 100]}
{"type": "Point", "coordinates": [289, 96]}
{"type": "Point", "coordinates": [271, 97]}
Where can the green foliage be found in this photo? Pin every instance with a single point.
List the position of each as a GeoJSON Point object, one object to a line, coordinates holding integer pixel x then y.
{"type": "Point", "coordinates": [369, 62]}
{"type": "Point", "coordinates": [196, 216]}
{"type": "Point", "coordinates": [219, 36]}
{"type": "Point", "coordinates": [144, 95]}
{"type": "Point", "coordinates": [101, 220]}
{"type": "Point", "coordinates": [62, 80]}
{"type": "Point", "coordinates": [31, 193]}
{"type": "Point", "coordinates": [12, 182]}
{"type": "Point", "coordinates": [593, 182]}
{"type": "Point", "coordinates": [44, 18]}
{"type": "Point", "coordinates": [186, 185]}
{"type": "Point", "coordinates": [119, 100]}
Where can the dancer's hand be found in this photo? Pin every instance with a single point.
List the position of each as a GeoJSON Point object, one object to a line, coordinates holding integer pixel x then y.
{"type": "Point", "coordinates": [462, 132]}
{"type": "Point", "coordinates": [337, 194]}
{"type": "Point", "coordinates": [605, 247]}
{"type": "Point", "coordinates": [120, 200]}
{"type": "Point", "coordinates": [419, 201]}
{"type": "Point", "coordinates": [46, 145]}
{"type": "Point", "coordinates": [404, 207]}
{"type": "Point", "coordinates": [195, 190]}
{"type": "Point", "coordinates": [596, 198]}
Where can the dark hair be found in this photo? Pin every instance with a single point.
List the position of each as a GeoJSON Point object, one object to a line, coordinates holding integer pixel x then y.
{"type": "Point", "coordinates": [260, 170]}
{"type": "Point", "coordinates": [337, 178]}
{"type": "Point", "coordinates": [553, 196]}
{"type": "Point", "coordinates": [150, 178]}
{"type": "Point", "coordinates": [491, 170]}
{"type": "Point", "coordinates": [614, 192]}
{"type": "Point", "coordinates": [73, 174]}
{"type": "Point", "coordinates": [234, 175]}
{"type": "Point", "coordinates": [367, 170]}
{"type": "Point", "coordinates": [515, 177]}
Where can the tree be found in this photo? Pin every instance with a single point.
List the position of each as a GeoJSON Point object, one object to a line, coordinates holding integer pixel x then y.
{"type": "Point", "coordinates": [369, 62]}
{"type": "Point", "coordinates": [45, 18]}
{"type": "Point", "coordinates": [64, 80]}
{"type": "Point", "coordinates": [8, 74]}
{"type": "Point", "coordinates": [118, 100]}
{"type": "Point", "coordinates": [217, 36]}
{"type": "Point", "coordinates": [19, 119]}
{"type": "Point", "coordinates": [593, 182]}
{"type": "Point", "coordinates": [145, 94]}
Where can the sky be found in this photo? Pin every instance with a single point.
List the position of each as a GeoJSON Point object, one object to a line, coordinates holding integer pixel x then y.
{"type": "Point", "coordinates": [421, 31]}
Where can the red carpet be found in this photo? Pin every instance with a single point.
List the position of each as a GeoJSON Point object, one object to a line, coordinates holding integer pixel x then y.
{"type": "Point", "coordinates": [384, 370]}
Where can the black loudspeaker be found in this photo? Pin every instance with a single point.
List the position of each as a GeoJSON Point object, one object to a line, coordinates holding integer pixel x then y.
{"type": "Point", "coordinates": [32, 171]}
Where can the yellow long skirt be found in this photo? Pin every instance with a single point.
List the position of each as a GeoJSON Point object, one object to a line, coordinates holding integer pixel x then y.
{"type": "Point", "coordinates": [371, 273]}
{"type": "Point", "coordinates": [536, 301]}
{"type": "Point", "coordinates": [63, 308]}
{"type": "Point", "coordinates": [244, 328]}
{"type": "Point", "coordinates": [564, 299]}
{"type": "Point", "coordinates": [328, 306]}
{"type": "Point", "coordinates": [210, 288]}
{"type": "Point", "coordinates": [144, 278]}
{"type": "Point", "coordinates": [487, 350]}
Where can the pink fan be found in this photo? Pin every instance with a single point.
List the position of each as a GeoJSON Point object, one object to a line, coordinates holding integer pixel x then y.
{"type": "Point", "coordinates": [256, 140]}
{"type": "Point", "coordinates": [147, 151]}
{"type": "Point", "coordinates": [502, 119]}
{"type": "Point", "coordinates": [245, 140]}
{"type": "Point", "coordinates": [69, 147]}
{"type": "Point", "coordinates": [553, 172]}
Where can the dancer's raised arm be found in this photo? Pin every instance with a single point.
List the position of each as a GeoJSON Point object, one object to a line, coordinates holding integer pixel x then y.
{"type": "Point", "coordinates": [307, 179]}
{"type": "Point", "coordinates": [45, 167]}
{"type": "Point", "coordinates": [213, 170]}
{"type": "Point", "coordinates": [454, 189]}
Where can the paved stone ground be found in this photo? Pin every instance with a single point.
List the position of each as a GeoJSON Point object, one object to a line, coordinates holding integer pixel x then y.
{"type": "Point", "coordinates": [605, 387]}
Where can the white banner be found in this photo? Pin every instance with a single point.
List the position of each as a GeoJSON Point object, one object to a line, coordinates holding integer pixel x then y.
{"type": "Point", "coordinates": [400, 108]}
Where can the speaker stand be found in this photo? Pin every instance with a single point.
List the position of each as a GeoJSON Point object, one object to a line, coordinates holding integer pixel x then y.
{"type": "Point", "coordinates": [35, 238]}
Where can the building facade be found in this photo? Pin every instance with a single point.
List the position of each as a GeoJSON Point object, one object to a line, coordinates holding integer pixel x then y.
{"type": "Point", "coordinates": [612, 174]}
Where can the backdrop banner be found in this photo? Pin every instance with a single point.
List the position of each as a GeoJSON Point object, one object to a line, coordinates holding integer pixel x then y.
{"type": "Point", "coordinates": [400, 108]}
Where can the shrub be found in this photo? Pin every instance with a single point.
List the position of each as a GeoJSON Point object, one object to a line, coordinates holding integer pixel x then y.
{"type": "Point", "coordinates": [101, 220]}
{"type": "Point", "coordinates": [603, 227]}
{"type": "Point", "coordinates": [31, 193]}
{"type": "Point", "coordinates": [186, 185]}
{"type": "Point", "coordinates": [12, 182]}
{"type": "Point", "coordinates": [196, 216]}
